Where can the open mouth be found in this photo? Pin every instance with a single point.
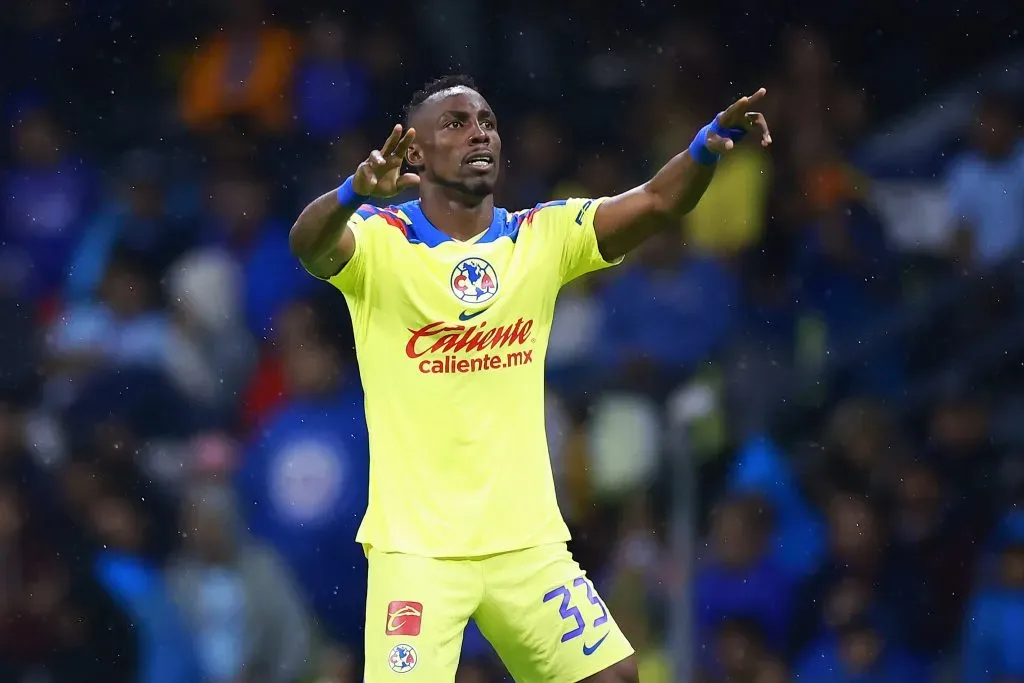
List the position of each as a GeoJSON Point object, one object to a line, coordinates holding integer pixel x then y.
{"type": "Point", "coordinates": [481, 160]}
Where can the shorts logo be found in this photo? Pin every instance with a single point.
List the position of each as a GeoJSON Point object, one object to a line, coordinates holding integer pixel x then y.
{"type": "Point", "coordinates": [404, 619]}
{"type": "Point", "coordinates": [402, 659]}
{"type": "Point", "coordinates": [474, 281]}
{"type": "Point", "coordinates": [591, 649]}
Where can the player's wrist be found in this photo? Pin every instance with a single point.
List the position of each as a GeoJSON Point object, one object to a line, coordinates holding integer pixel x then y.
{"type": "Point", "coordinates": [699, 150]}
{"type": "Point", "coordinates": [348, 197]}
{"type": "Point", "coordinates": [734, 134]}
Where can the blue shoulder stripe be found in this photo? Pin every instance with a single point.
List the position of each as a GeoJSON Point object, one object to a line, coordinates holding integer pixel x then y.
{"type": "Point", "coordinates": [366, 210]}
{"type": "Point", "coordinates": [517, 219]}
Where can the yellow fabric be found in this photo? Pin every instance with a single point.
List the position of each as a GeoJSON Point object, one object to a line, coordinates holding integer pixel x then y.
{"type": "Point", "coordinates": [454, 375]}
{"type": "Point", "coordinates": [521, 601]}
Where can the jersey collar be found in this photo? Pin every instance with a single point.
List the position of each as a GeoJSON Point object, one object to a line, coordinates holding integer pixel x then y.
{"type": "Point", "coordinates": [427, 233]}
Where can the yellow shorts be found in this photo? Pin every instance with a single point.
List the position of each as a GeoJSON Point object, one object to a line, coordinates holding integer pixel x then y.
{"type": "Point", "coordinates": [536, 607]}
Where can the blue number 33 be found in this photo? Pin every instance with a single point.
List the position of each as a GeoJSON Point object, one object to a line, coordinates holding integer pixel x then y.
{"type": "Point", "coordinates": [569, 611]}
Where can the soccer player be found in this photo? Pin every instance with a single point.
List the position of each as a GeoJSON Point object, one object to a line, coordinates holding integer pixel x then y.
{"type": "Point", "coordinates": [452, 300]}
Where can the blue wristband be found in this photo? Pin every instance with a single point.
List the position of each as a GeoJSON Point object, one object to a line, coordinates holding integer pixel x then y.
{"type": "Point", "coordinates": [699, 149]}
{"type": "Point", "coordinates": [347, 196]}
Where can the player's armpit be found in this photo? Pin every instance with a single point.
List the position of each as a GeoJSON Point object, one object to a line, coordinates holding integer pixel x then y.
{"type": "Point", "coordinates": [625, 221]}
{"type": "Point", "coordinates": [332, 261]}
{"type": "Point", "coordinates": [330, 264]}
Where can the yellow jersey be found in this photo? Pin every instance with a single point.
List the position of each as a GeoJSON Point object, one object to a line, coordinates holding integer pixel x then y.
{"type": "Point", "coordinates": [451, 338]}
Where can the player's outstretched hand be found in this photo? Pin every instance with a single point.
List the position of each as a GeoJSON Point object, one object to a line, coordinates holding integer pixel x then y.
{"type": "Point", "coordinates": [381, 174]}
{"type": "Point", "coordinates": [740, 114]}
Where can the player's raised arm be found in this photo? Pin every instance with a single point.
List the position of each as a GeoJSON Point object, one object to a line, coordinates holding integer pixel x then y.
{"type": "Point", "coordinates": [623, 222]}
{"type": "Point", "coordinates": [319, 238]}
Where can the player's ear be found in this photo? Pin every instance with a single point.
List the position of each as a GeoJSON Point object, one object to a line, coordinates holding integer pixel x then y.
{"type": "Point", "coordinates": [414, 155]}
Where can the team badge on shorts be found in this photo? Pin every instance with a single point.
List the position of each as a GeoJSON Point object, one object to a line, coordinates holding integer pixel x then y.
{"type": "Point", "coordinates": [404, 618]}
{"type": "Point", "coordinates": [402, 659]}
{"type": "Point", "coordinates": [474, 281]}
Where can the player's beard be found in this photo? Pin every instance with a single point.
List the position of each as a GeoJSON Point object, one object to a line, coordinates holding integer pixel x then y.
{"type": "Point", "coordinates": [475, 188]}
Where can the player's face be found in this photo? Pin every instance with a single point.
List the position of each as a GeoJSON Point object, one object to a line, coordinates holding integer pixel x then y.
{"type": "Point", "coordinates": [457, 143]}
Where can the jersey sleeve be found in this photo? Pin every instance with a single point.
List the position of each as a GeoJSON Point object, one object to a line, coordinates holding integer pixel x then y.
{"type": "Point", "coordinates": [351, 279]}
{"type": "Point", "coordinates": [571, 226]}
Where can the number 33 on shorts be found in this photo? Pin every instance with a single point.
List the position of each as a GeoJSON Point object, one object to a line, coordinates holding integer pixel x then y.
{"type": "Point", "coordinates": [549, 632]}
{"type": "Point", "coordinates": [581, 637]}
{"type": "Point", "coordinates": [570, 613]}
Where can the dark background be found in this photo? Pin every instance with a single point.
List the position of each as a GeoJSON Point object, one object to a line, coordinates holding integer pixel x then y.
{"type": "Point", "coordinates": [788, 437]}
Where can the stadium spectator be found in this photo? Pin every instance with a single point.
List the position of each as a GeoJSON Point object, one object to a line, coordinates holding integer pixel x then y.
{"type": "Point", "coordinates": [243, 69]}
{"type": "Point", "coordinates": [212, 351]}
{"type": "Point", "coordinates": [138, 216]}
{"type": "Point", "coordinates": [48, 194]}
{"type": "Point", "coordinates": [117, 527]}
{"type": "Point", "coordinates": [860, 653]}
{"type": "Point", "coordinates": [123, 325]}
{"type": "Point", "coordinates": [762, 469]}
{"type": "Point", "coordinates": [242, 223]}
{"type": "Point", "coordinates": [268, 386]}
{"type": "Point", "coordinates": [740, 652]}
{"type": "Point", "coordinates": [992, 630]}
{"type": "Point", "coordinates": [303, 484]}
{"type": "Point", "coordinates": [985, 184]}
{"type": "Point", "coordinates": [56, 619]}
{"type": "Point", "coordinates": [740, 578]}
{"type": "Point", "coordinates": [730, 220]}
{"type": "Point", "coordinates": [332, 88]}
{"type": "Point", "coordinates": [690, 292]}
{"type": "Point", "coordinates": [851, 584]}
{"type": "Point", "coordinates": [932, 566]}
{"type": "Point", "coordinates": [244, 611]}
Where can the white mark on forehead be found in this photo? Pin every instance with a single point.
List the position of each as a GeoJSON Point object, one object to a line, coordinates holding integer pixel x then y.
{"type": "Point", "coordinates": [451, 92]}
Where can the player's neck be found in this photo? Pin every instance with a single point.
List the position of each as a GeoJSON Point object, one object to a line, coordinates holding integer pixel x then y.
{"type": "Point", "coordinates": [456, 214]}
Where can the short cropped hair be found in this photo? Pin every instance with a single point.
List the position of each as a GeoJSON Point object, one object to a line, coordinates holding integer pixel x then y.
{"type": "Point", "coordinates": [433, 87]}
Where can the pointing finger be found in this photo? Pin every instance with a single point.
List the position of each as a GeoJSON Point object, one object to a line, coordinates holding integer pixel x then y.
{"type": "Point", "coordinates": [392, 141]}
{"type": "Point", "coordinates": [756, 97]}
{"type": "Point", "coordinates": [745, 104]}
{"type": "Point", "coordinates": [734, 115]}
{"type": "Point", "coordinates": [403, 144]}
{"type": "Point", "coordinates": [735, 110]}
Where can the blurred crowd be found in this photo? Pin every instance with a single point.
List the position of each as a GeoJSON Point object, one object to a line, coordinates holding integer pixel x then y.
{"type": "Point", "coordinates": [183, 454]}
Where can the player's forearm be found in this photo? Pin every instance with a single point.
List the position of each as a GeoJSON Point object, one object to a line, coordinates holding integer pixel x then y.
{"type": "Point", "coordinates": [318, 230]}
{"type": "Point", "coordinates": [624, 222]}
{"type": "Point", "coordinates": [678, 186]}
